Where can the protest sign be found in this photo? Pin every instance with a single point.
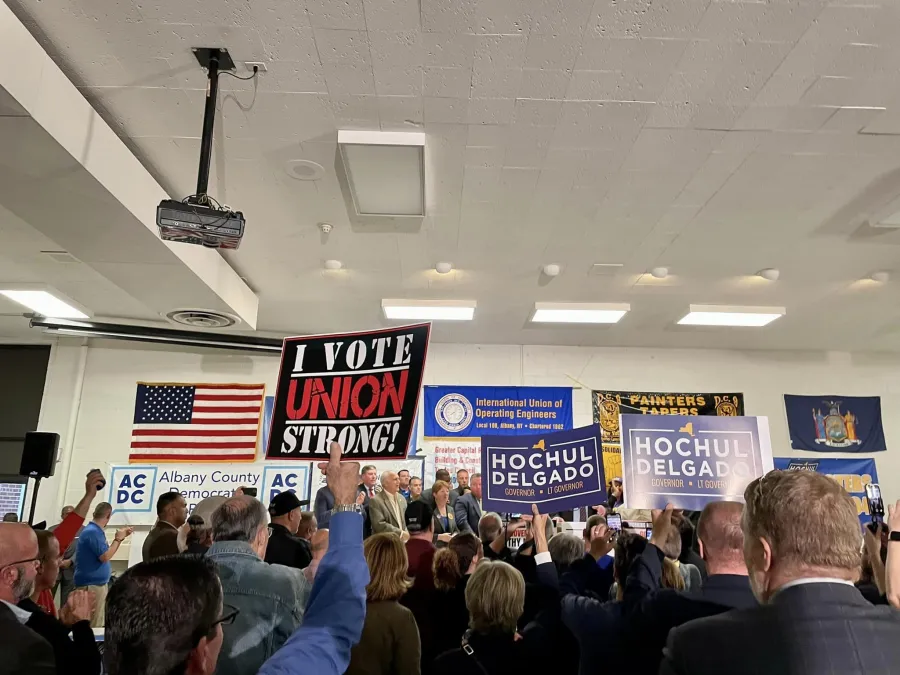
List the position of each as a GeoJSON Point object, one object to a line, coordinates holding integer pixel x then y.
{"type": "Point", "coordinates": [359, 389]}
{"type": "Point", "coordinates": [133, 489]}
{"type": "Point", "coordinates": [557, 472]}
{"type": "Point", "coordinates": [688, 461]}
{"type": "Point", "coordinates": [472, 412]}
{"type": "Point", "coordinates": [835, 423]}
{"type": "Point", "coordinates": [851, 474]}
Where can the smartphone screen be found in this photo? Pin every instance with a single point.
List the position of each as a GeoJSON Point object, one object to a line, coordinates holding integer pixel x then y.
{"type": "Point", "coordinates": [249, 491]}
{"type": "Point", "coordinates": [873, 496]}
{"type": "Point", "coordinates": [649, 534]}
{"type": "Point", "coordinates": [614, 521]}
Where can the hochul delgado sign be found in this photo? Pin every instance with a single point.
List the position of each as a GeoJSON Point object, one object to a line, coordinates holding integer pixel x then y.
{"type": "Point", "coordinates": [359, 389]}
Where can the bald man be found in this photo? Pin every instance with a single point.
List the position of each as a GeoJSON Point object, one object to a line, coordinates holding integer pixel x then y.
{"type": "Point", "coordinates": [24, 651]}
{"type": "Point", "coordinates": [388, 507]}
{"type": "Point", "coordinates": [727, 587]}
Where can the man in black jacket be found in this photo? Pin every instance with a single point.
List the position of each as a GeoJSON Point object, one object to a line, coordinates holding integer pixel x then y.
{"type": "Point", "coordinates": [655, 611]}
{"type": "Point", "coordinates": [285, 546]}
{"type": "Point", "coordinates": [802, 548]}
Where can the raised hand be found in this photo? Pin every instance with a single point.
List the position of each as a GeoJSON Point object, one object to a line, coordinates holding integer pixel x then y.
{"type": "Point", "coordinates": [79, 607]}
{"type": "Point", "coordinates": [94, 482]}
{"type": "Point", "coordinates": [342, 477]}
{"type": "Point", "coordinates": [662, 525]}
{"type": "Point", "coordinates": [603, 539]}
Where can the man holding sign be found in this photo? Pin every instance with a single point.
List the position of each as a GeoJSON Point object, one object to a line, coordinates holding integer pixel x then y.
{"type": "Point", "coordinates": [689, 461]}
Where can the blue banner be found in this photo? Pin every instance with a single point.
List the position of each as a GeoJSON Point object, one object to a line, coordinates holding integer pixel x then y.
{"type": "Point", "coordinates": [496, 411]}
{"type": "Point", "coordinates": [557, 472]}
{"type": "Point", "coordinates": [851, 474]}
{"type": "Point", "coordinates": [268, 407]}
{"type": "Point", "coordinates": [689, 461]}
{"type": "Point", "coordinates": [835, 423]}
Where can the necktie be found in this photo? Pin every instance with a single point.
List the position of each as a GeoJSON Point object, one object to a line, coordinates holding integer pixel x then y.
{"type": "Point", "coordinates": [371, 492]}
{"type": "Point", "coordinates": [583, 514]}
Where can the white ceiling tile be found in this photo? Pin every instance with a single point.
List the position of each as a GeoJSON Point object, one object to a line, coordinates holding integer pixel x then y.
{"type": "Point", "coordinates": [440, 16]}
{"type": "Point", "coordinates": [397, 81]}
{"type": "Point", "coordinates": [348, 107]}
{"type": "Point", "coordinates": [496, 83]}
{"type": "Point", "coordinates": [642, 55]}
{"type": "Point", "coordinates": [447, 82]}
{"type": "Point", "coordinates": [544, 84]}
{"type": "Point", "coordinates": [757, 22]}
{"type": "Point", "coordinates": [400, 113]}
{"type": "Point", "coordinates": [845, 91]}
{"type": "Point", "coordinates": [784, 89]}
{"type": "Point", "coordinates": [349, 79]}
{"type": "Point", "coordinates": [448, 50]}
{"type": "Point", "coordinates": [486, 134]}
{"type": "Point", "coordinates": [552, 51]}
{"type": "Point", "coordinates": [783, 118]}
{"type": "Point", "coordinates": [486, 156]}
{"type": "Point", "coordinates": [290, 43]}
{"type": "Point", "coordinates": [490, 110]}
{"type": "Point", "coordinates": [534, 112]}
{"type": "Point", "coordinates": [392, 15]}
{"type": "Point", "coordinates": [499, 52]}
{"type": "Point", "coordinates": [645, 18]}
{"type": "Point", "coordinates": [343, 47]}
{"type": "Point", "coordinates": [287, 76]}
{"type": "Point", "coordinates": [558, 17]}
{"type": "Point", "coordinates": [525, 155]}
{"type": "Point", "coordinates": [501, 17]}
{"type": "Point", "coordinates": [605, 85]}
{"type": "Point", "coordinates": [275, 12]}
{"type": "Point", "coordinates": [446, 110]}
{"type": "Point", "coordinates": [336, 14]}
{"type": "Point", "coordinates": [396, 48]}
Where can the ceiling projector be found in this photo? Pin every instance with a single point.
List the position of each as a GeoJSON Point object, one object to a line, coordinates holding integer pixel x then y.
{"type": "Point", "coordinates": [189, 223]}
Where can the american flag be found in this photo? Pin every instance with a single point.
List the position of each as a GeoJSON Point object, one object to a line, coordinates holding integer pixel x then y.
{"type": "Point", "coordinates": [196, 422]}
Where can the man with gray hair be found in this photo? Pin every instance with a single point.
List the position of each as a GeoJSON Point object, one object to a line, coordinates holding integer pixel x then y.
{"type": "Point", "coordinates": [565, 549]}
{"type": "Point", "coordinates": [387, 510]}
{"type": "Point", "coordinates": [270, 598]}
{"type": "Point", "coordinates": [802, 547]}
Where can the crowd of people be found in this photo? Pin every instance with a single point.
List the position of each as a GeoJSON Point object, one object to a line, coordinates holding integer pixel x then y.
{"type": "Point", "coordinates": [385, 578]}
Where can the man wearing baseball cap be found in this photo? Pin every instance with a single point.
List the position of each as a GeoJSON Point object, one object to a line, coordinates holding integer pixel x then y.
{"type": "Point", "coordinates": [287, 517]}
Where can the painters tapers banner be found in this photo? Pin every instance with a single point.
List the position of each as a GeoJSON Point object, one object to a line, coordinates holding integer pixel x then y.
{"type": "Point", "coordinates": [609, 404]}
{"type": "Point", "coordinates": [472, 412]}
{"type": "Point", "coordinates": [689, 461]}
{"type": "Point", "coordinates": [557, 471]}
{"type": "Point", "coordinates": [851, 474]}
{"type": "Point", "coordinates": [835, 423]}
{"type": "Point", "coordinates": [360, 389]}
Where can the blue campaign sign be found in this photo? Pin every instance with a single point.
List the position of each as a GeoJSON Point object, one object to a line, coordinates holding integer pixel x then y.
{"type": "Point", "coordinates": [689, 461]}
{"type": "Point", "coordinates": [132, 489]}
{"type": "Point", "coordinates": [557, 471]}
{"type": "Point", "coordinates": [831, 423]}
{"type": "Point", "coordinates": [279, 478]}
{"type": "Point", "coordinates": [473, 412]}
{"type": "Point", "coordinates": [852, 474]}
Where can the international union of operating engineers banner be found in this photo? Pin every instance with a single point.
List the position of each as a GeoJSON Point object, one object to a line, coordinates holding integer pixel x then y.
{"type": "Point", "coordinates": [689, 461]}
{"type": "Point", "coordinates": [557, 471]}
{"type": "Point", "coordinates": [359, 389]}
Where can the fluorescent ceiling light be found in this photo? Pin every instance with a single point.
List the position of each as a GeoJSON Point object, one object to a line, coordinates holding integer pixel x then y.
{"type": "Point", "coordinates": [578, 312]}
{"type": "Point", "coordinates": [721, 315]}
{"type": "Point", "coordinates": [44, 303]}
{"type": "Point", "coordinates": [385, 171]}
{"type": "Point", "coordinates": [425, 310]}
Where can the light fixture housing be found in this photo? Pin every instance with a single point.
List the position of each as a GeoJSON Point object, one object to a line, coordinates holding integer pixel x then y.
{"type": "Point", "coordinates": [333, 265]}
{"type": "Point", "coordinates": [43, 301]}
{"type": "Point", "coordinates": [578, 312]}
{"type": "Point", "coordinates": [552, 270]}
{"type": "Point", "coordinates": [769, 274]}
{"type": "Point", "coordinates": [881, 276]}
{"type": "Point", "coordinates": [443, 268]}
{"type": "Point", "coordinates": [659, 272]}
{"type": "Point", "coordinates": [385, 171]}
{"type": "Point", "coordinates": [429, 310]}
{"type": "Point", "coordinates": [724, 315]}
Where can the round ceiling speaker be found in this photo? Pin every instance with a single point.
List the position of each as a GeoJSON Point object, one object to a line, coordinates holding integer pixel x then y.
{"type": "Point", "coordinates": [304, 169]}
{"type": "Point", "coordinates": [201, 318]}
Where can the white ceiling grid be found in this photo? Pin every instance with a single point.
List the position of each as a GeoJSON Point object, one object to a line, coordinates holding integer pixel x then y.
{"type": "Point", "coordinates": [715, 138]}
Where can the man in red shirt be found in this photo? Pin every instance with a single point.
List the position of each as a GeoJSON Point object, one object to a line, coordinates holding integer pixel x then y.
{"type": "Point", "coordinates": [420, 547]}
{"type": "Point", "coordinates": [65, 533]}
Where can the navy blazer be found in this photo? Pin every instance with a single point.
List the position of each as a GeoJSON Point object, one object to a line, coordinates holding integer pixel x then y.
{"type": "Point", "coordinates": [807, 629]}
{"type": "Point", "coordinates": [468, 513]}
{"type": "Point", "coordinates": [324, 504]}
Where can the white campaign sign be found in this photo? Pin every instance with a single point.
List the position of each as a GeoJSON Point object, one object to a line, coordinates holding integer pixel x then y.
{"type": "Point", "coordinates": [452, 454]}
{"type": "Point", "coordinates": [134, 489]}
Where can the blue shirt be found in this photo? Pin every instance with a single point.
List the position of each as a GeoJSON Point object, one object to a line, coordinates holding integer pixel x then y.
{"type": "Point", "coordinates": [334, 617]}
{"type": "Point", "coordinates": [89, 570]}
{"type": "Point", "coordinates": [405, 494]}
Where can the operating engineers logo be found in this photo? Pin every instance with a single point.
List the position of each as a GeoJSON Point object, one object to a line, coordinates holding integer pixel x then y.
{"type": "Point", "coordinates": [453, 412]}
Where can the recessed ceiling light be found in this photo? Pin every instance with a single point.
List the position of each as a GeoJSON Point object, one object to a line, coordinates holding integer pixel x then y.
{"type": "Point", "coordinates": [881, 277]}
{"type": "Point", "coordinates": [44, 303]}
{"type": "Point", "coordinates": [429, 310]}
{"type": "Point", "coordinates": [443, 268]}
{"type": "Point", "coordinates": [769, 274]}
{"type": "Point", "coordinates": [304, 169]}
{"type": "Point", "coordinates": [659, 272]}
{"type": "Point", "coordinates": [722, 315]}
{"type": "Point", "coordinates": [578, 312]}
{"type": "Point", "coordinates": [551, 270]}
{"type": "Point", "coordinates": [333, 264]}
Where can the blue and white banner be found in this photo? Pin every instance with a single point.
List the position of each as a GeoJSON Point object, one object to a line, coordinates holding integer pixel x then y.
{"type": "Point", "coordinates": [473, 412]}
{"type": "Point", "coordinates": [558, 472]}
{"type": "Point", "coordinates": [835, 423]}
{"type": "Point", "coordinates": [851, 474]}
{"type": "Point", "coordinates": [133, 489]}
{"type": "Point", "coordinates": [268, 407]}
{"type": "Point", "coordinates": [689, 461]}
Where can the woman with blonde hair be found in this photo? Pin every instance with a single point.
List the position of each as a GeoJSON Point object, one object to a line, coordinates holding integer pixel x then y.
{"type": "Point", "coordinates": [390, 638]}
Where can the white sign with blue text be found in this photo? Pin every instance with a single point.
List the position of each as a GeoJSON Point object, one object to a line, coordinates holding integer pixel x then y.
{"type": "Point", "coordinates": [134, 489]}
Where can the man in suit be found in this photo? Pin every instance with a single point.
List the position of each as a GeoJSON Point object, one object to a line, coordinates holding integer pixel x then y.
{"type": "Point", "coordinates": [802, 550]}
{"type": "Point", "coordinates": [387, 509]}
{"type": "Point", "coordinates": [24, 651]}
{"type": "Point", "coordinates": [654, 612]}
{"type": "Point", "coordinates": [462, 482]}
{"type": "Point", "coordinates": [468, 507]}
{"type": "Point", "coordinates": [171, 513]}
{"type": "Point", "coordinates": [444, 475]}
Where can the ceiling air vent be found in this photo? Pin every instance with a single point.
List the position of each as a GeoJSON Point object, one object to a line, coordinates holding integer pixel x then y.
{"type": "Point", "coordinates": [201, 318]}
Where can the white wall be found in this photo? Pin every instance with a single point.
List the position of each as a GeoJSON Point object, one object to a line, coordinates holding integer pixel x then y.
{"type": "Point", "coordinates": [111, 369]}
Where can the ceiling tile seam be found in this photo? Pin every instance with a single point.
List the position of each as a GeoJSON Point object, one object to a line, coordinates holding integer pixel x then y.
{"type": "Point", "coordinates": [371, 60]}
